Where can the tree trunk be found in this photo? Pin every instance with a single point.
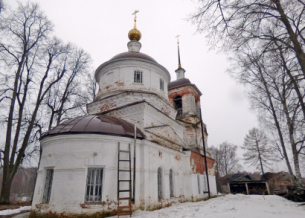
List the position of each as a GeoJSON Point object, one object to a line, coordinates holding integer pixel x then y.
{"type": "Point", "coordinates": [4, 199]}
{"type": "Point", "coordinates": [278, 129]}
{"type": "Point", "coordinates": [5, 191]}
{"type": "Point", "coordinates": [293, 80]}
{"type": "Point", "coordinates": [293, 37]}
{"type": "Point", "coordinates": [259, 155]}
{"type": "Point", "coordinates": [297, 167]}
{"type": "Point", "coordinates": [290, 121]}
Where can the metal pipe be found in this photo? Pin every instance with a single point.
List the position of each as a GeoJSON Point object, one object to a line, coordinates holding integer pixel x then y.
{"type": "Point", "coordinates": [118, 188]}
{"type": "Point", "coordinates": [205, 156]}
{"type": "Point", "coordinates": [134, 163]}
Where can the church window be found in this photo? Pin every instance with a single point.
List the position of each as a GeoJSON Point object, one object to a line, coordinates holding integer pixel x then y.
{"type": "Point", "coordinates": [205, 183]}
{"type": "Point", "coordinates": [198, 181]}
{"type": "Point", "coordinates": [47, 186]}
{"type": "Point", "coordinates": [159, 183]}
{"type": "Point", "coordinates": [171, 182]}
{"type": "Point", "coordinates": [178, 105]}
{"type": "Point", "coordinates": [138, 76]}
{"type": "Point", "coordinates": [162, 84]}
{"type": "Point", "coordinates": [94, 185]}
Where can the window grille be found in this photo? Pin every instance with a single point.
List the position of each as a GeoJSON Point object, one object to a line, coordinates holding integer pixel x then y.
{"type": "Point", "coordinates": [94, 185]}
{"type": "Point", "coordinates": [138, 76]}
{"type": "Point", "coordinates": [161, 84]}
{"type": "Point", "coordinates": [47, 186]}
{"type": "Point", "coordinates": [159, 183]}
{"type": "Point", "coordinates": [171, 183]}
{"type": "Point", "coordinates": [198, 181]}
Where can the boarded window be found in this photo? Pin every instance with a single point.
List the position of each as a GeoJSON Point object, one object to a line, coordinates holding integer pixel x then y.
{"type": "Point", "coordinates": [159, 183]}
{"type": "Point", "coordinates": [205, 183]}
{"type": "Point", "coordinates": [171, 183]}
{"type": "Point", "coordinates": [138, 76]}
{"type": "Point", "coordinates": [198, 181]}
{"type": "Point", "coordinates": [162, 84]}
{"type": "Point", "coordinates": [94, 185]}
{"type": "Point", "coordinates": [178, 105]}
{"type": "Point", "coordinates": [47, 186]}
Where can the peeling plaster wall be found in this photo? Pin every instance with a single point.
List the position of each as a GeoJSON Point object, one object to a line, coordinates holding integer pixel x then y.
{"type": "Point", "coordinates": [190, 118]}
{"type": "Point", "coordinates": [198, 164]}
{"type": "Point", "coordinates": [70, 159]}
{"type": "Point", "coordinates": [125, 98]}
{"type": "Point", "coordinates": [145, 115]}
{"type": "Point", "coordinates": [118, 75]}
{"type": "Point", "coordinates": [190, 98]}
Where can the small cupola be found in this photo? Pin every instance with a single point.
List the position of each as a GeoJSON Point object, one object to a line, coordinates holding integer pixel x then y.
{"type": "Point", "coordinates": [134, 35]}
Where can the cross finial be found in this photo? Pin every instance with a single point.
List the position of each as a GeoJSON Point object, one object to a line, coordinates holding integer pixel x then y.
{"type": "Point", "coordinates": [135, 15]}
{"type": "Point", "coordinates": [177, 39]}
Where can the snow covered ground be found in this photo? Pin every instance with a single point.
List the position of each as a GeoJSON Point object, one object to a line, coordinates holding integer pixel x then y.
{"type": "Point", "coordinates": [228, 206]}
{"type": "Point", "coordinates": [231, 206]}
{"type": "Point", "coordinates": [14, 211]}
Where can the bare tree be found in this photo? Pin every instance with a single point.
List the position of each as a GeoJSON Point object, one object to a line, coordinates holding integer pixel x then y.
{"type": "Point", "coordinates": [91, 87]}
{"type": "Point", "coordinates": [66, 98]}
{"type": "Point", "coordinates": [266, 40]}
{"type": "Point", "coordinates": [272, 93]}
{"type": "Point", "coordinates": [217, 156]}
{"type": "Point", "coordinates": [32, 64]}
{"type": "Point", "coordinates": [257, 151]}
{"type": "Point", "coordinates": [226, 159]}
{"type": "Point", "coordinates": [235, 23]}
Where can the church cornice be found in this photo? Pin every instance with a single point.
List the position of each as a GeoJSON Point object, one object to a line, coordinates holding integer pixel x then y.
{"type": "Point", "coordinates": [135, 103]}
{"type": "Point", "coordinates": [132, 91]}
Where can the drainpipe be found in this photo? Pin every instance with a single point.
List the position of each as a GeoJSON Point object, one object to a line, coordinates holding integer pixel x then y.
{"type": "Point", "coordinates": [134, 164]}
{"type": "Point", "coordinates": [205, 156]}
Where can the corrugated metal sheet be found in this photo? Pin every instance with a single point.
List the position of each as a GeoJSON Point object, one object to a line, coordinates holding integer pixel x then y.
{"type": "Point", "coordinates": [96, 124]}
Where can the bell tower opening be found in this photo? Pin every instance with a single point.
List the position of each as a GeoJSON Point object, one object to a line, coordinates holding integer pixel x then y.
{"type": "Point", "coordinates": [178, 105]}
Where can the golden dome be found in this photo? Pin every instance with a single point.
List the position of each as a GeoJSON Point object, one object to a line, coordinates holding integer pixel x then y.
{"type": "Point", "coordinates": [134, 34]}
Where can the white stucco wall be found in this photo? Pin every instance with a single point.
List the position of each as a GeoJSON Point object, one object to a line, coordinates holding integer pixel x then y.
{"type": "Point", "coordinates": [71, 155]}
{"type": "Point", "coordinates": [118, 75]}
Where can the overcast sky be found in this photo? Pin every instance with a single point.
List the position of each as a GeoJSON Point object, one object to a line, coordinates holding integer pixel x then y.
{"type": "Point", "coordinates": [101, 27]}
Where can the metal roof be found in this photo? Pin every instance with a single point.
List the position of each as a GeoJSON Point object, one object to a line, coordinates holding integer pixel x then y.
{"type": "Point", "coordinates": [96, 124]}
{"type": "Point", "coordinates": [182, 82]}
{"type": "Point", "coordinates": [179, 82]}
{"type": "Point", "coordinates": [239, 177]}
{"type": "Point", "coordinates": [133, 55]}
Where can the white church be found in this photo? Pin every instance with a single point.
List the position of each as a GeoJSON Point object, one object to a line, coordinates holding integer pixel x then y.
{"type": "Point", "coordinates": [141, 146]}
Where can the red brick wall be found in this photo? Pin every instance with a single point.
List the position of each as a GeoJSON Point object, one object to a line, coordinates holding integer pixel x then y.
{"type": "Point", "coordinates": [198, 164]}
{"type": "Point", "coordinates": [184, 90]}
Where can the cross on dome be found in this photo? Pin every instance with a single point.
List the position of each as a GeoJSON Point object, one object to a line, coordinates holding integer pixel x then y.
{"type": "Point", "coordinates": [134, 34]}
{"type": "Point", "coordinates": [135, 16]}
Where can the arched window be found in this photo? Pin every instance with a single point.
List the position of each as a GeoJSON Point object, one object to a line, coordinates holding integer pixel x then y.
{"type": "Point", "coordinates": [198, 181]}
{"type": "Point", "coordinates": [205, 185]}
{"type": "Point", "coordinates": [171, 182]}
{"type": "Point", "coordinates": [178, 105]}
{"type": "Point", "coordinates": [159, 183]}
